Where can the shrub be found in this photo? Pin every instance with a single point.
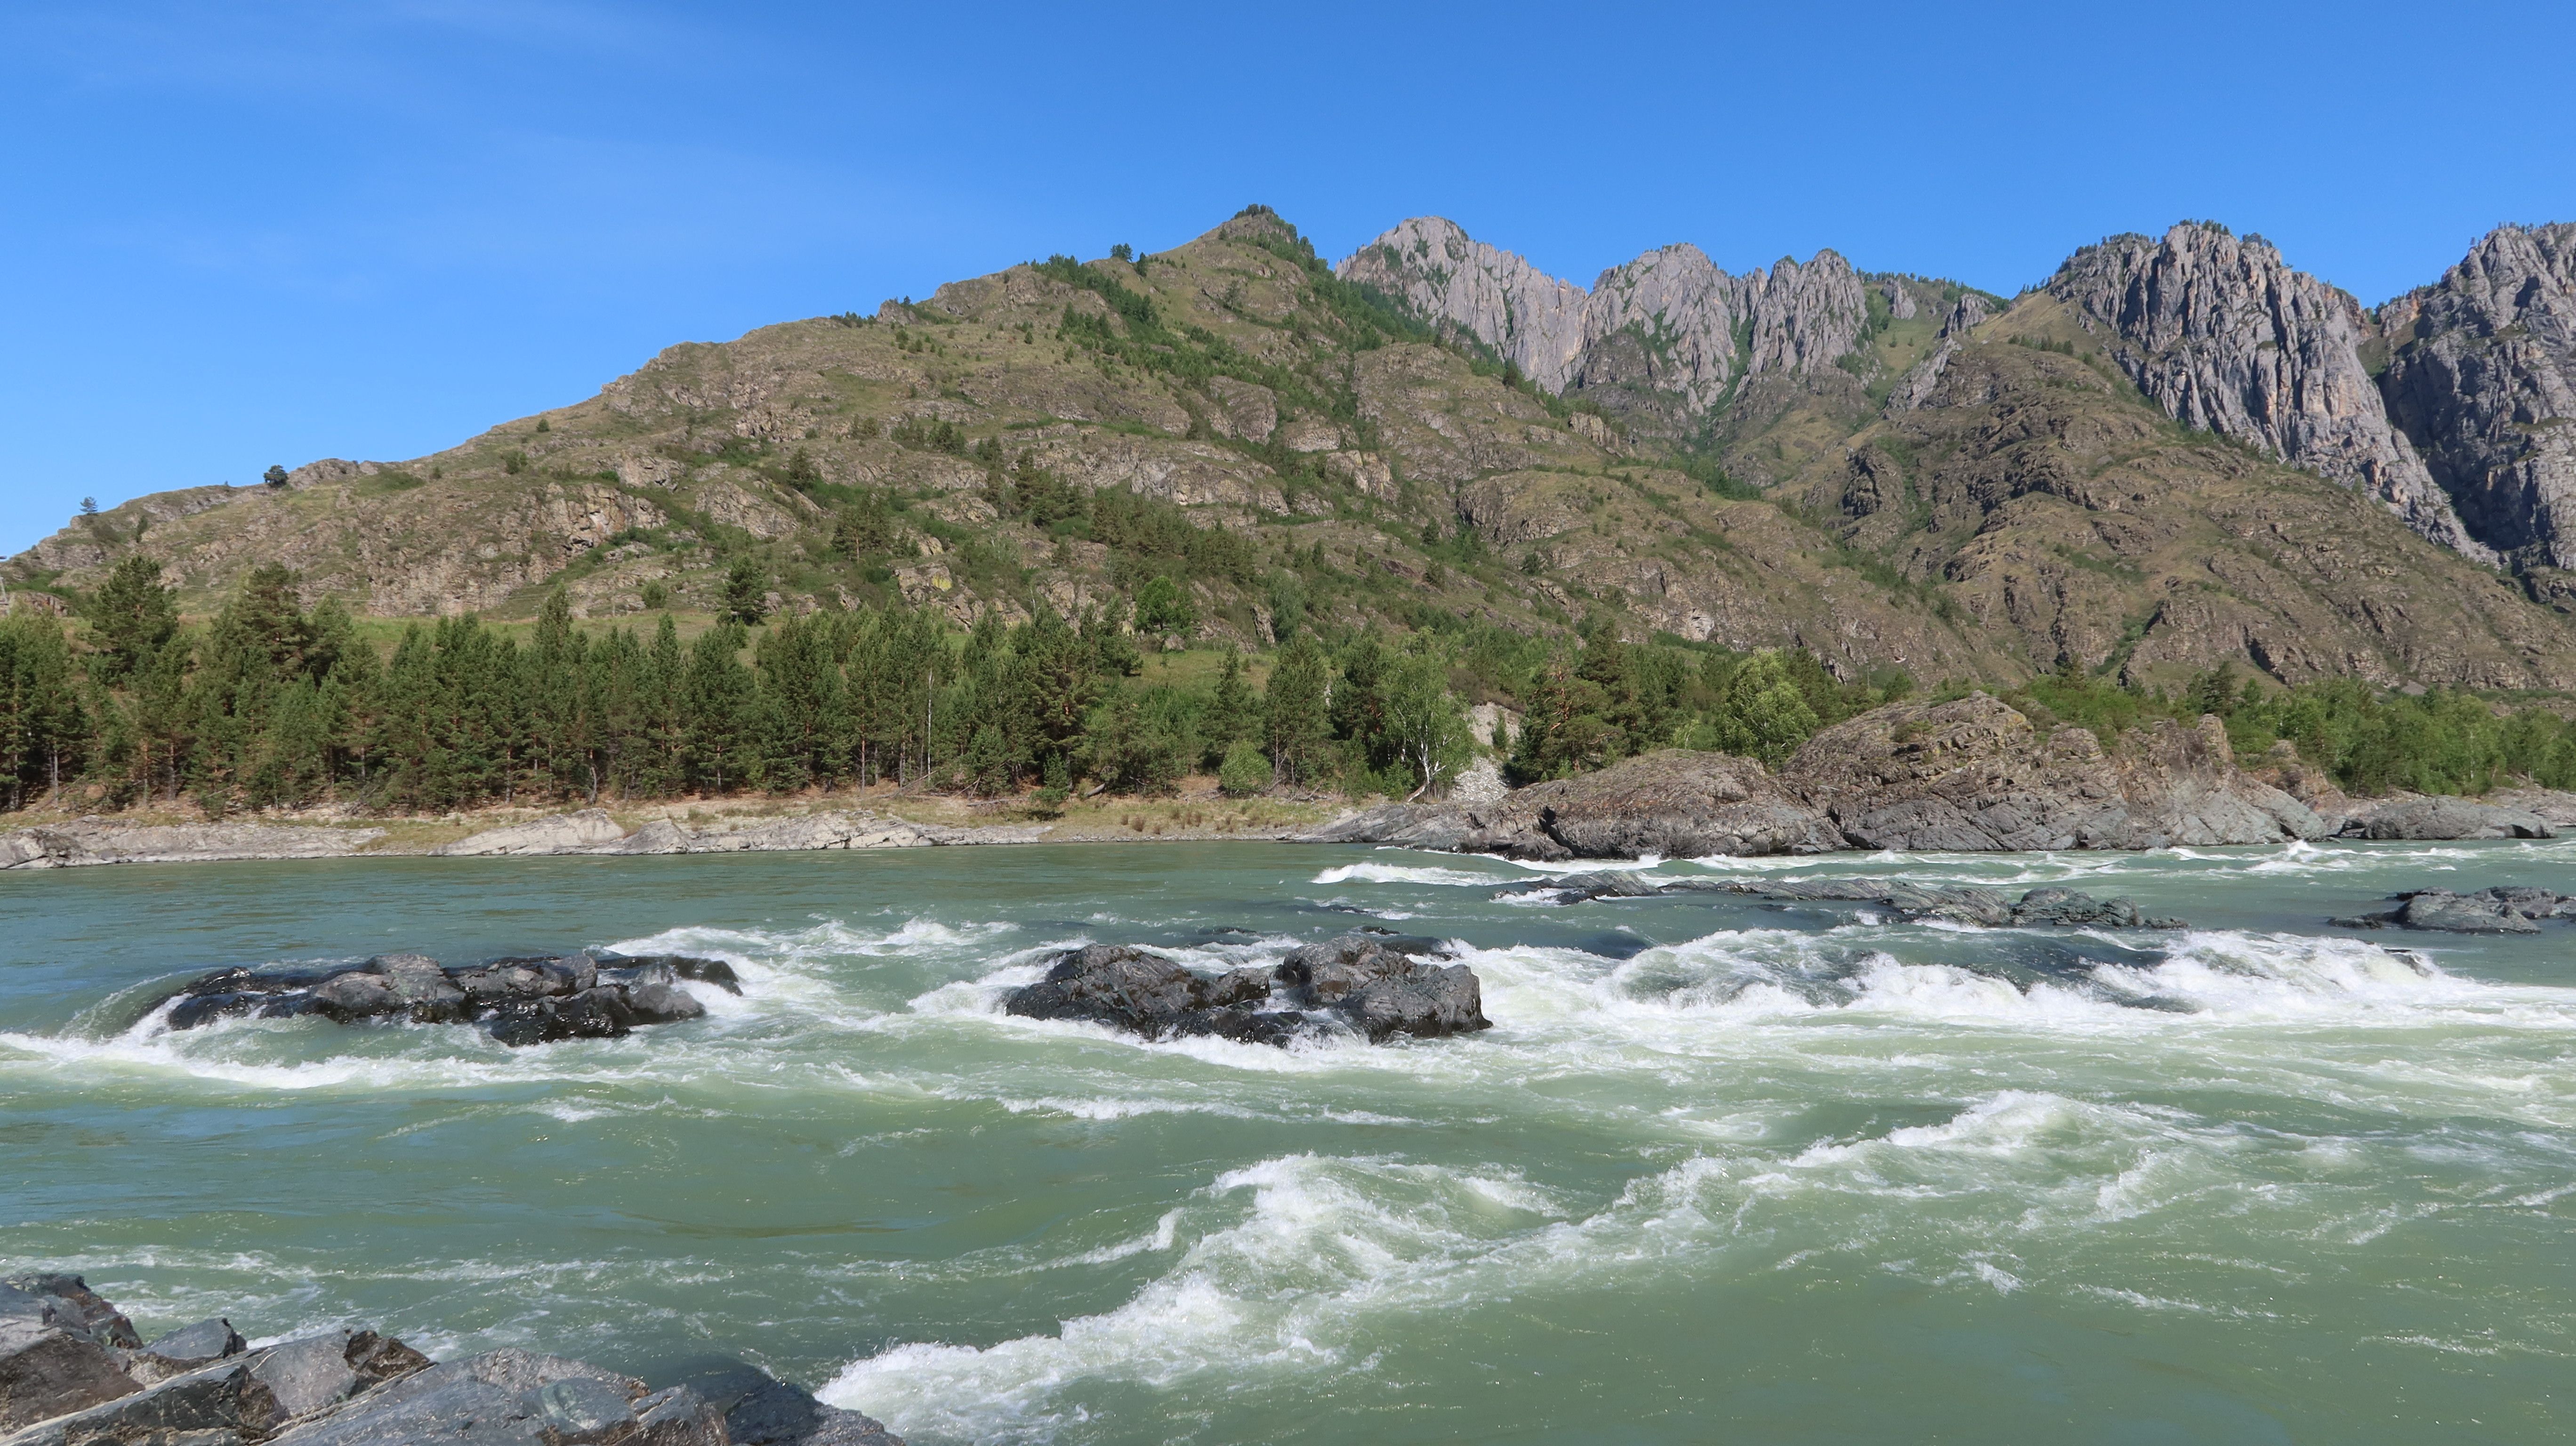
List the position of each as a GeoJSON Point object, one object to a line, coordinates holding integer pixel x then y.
{"type": "Point", "coordinates": [1245, 772]}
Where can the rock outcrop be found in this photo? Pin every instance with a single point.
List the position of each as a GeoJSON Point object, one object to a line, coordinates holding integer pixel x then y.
{"type": "Point", "coordinates": [1973, 774]}
{"type": "Point", "coordinates": [97, 841]}
{"type": "Point", "coordinates": [359, 1388]}
{"type": "Point", "coordinates": [2225, 337]}
{"type": "Point", "coordinates": [2482, 376]}
{"type": "Point", "coordinates": [1672, 803]}
{"type": "Point", "coordinates": [562, 833]}
{"type": "Point", "coordinates": [1375, 987]}
{"type": "Point", "coordinates": [1669, 322]}
{"type": "Point", "coordinates": [2510, 910]}
{"type": "Point", "coordinates": [2439, 816]}
{"type": "Point", "coordinates": [590, 995]}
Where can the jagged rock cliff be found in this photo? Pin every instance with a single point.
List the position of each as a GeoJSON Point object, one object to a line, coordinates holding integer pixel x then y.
{"type": "Point", "coordinates": [2482, 375]}
{"type": "Point", "coordinates": [2226, 338]}
{"type": "Point", "coordinates": [1668, 322]}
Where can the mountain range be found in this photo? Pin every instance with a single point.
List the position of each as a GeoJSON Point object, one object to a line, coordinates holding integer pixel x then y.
{"type": "Point", "coordinates": [2174, 452]}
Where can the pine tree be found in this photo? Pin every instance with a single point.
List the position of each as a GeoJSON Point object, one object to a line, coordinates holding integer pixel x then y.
{"type": "Point", "coordinates": [1295, 706]}
{"type": "Point", "coordinates": [132, 617]}
{"type": "Point", "coordinates": [723, 746]}
{"type": "Point", "coordinates": [1233, 711]}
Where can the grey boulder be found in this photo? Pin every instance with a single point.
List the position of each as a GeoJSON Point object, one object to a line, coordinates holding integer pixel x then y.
{"type": "Point", "coordinates": [1356, 982]}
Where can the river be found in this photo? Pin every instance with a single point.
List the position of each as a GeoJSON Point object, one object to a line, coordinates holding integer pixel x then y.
{"type": "Point", "coordinates": [1721, 1171]}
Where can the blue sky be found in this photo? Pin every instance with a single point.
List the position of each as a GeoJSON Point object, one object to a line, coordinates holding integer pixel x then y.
{"type": "Point", "coordinates": [244, 233]}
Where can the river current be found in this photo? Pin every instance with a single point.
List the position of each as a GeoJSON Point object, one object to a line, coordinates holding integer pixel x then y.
{"type": "Point", "coordinates": [1722, 1170]}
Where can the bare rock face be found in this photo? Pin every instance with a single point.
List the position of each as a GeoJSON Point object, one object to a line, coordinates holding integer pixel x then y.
{"type": "Point", "coordinates": [2482, 376]}
{"type": "Point", "coordinates": [1667, 322]}
{"type": "Point", "coordinates": [2226, 338]}
{"type": "Point", "coordinates": [1973, 774]}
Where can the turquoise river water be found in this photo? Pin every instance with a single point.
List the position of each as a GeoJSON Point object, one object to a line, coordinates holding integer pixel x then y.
{"type": "Point", "coordinates": [1722, 1171]}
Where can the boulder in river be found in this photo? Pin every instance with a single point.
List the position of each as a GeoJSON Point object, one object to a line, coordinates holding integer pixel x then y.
{"type": "Point", "coordinates": [2417, 816]}
{"type": "Point", "coordinates": [1374, 986]}
{"type": "Point", "coordinates": [1957, 903]}
{"type": "Point", "coordinates": [534, 1000]}
{"type": "Point", "coordinates": [2512, 910]}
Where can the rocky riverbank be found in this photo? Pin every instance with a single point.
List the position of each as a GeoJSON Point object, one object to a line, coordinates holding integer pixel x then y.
{"type": "Point", "coordinates": [74, 1372]}
{"type": "Point", "coordinates": [1968, 774]}
{"type": "Point", "coordinates": [1972, 774]}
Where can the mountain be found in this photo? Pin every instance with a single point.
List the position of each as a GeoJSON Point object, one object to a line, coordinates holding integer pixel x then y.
{"type": "Point", "coordinates": [2174, 454]}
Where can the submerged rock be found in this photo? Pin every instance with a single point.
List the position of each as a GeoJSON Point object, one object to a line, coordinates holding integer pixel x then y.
{"type": "Point", "coordinates": [2510, 910]}
{"type": "Point", "coordinates": [590, 995]}
{"type": "Point", "coordinates": [1958, 903]}
{"type": "Point", "coordinates": [1376, 987]}
{"type": "Point", "coordinates": [344, 1388]}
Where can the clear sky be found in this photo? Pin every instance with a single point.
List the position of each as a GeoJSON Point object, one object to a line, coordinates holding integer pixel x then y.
{"type": "Point", "coordinates": [242, 233]}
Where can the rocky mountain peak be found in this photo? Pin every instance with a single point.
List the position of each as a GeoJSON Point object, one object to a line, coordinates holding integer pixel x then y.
{"type": "Point", "coordinates": [2223, 335]}
{"type": "Point", "coordinates": [1433, 266]}
{"type": "Point", "coordinates": [2482, 376]}
{"type": "Point", "coordinates": [1667, 322]}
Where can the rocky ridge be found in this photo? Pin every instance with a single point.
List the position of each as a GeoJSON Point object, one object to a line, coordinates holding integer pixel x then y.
{"type": "Point", "coordinates": [2225, 337]}
{"type": "Point", "coordinates": [2481, 373]}
{"type": "Point", "coordinates": [1668, 322]}
{"type": "Point", "coordinates": [74, 1372]}
{"type": "Point", "coordinates": [1934, 497]}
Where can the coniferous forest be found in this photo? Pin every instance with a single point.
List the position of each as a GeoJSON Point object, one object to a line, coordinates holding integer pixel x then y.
{"type": "Point", "coordinates": [271, 704]}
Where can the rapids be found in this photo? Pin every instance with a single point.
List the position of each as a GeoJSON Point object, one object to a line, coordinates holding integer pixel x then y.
{"type": "Point", "coordinates": [1721, 1170]}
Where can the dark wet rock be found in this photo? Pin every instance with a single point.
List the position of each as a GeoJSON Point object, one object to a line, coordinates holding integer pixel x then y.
{"type": "Point", "coordinates": [1957, 903]}
{"type": "Point", "coordinates": [1672, 803]}
{"type": "Point", "coordinates": [529, 1000]}
{"type": "Point", "coordinates": [485, 1400]}
{"type": "Point", "coordinates": [676, 1417]}
{"type": "Point", "coordinates": [187, 1349]}
{"type": "Point", "coordinates": [222, 1401]}
{"type": "Point", "coordinates": [775, 1413]}
{"type": "Point", "coordinates": [1373, 985]}
{"type": "Point", "coordinates": [2428, 817]}
{"type": "Point", "coordinates": [1580, 888]}
{"type": "Point", "coordinates": [52, 1361]}
{"type": "Point", "coordinates": [2512, 910]}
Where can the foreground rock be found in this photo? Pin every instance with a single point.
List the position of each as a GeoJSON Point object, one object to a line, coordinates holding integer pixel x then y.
{"type": "Point", "coordinates": [591, 995]}
{"type": "Point", "coordinates": [1973, 774]}
{"type": "Point", "coordinates": [97, 841]}
{"type": "Point", "coordinates": [1672, 804]}
{"type": "Point", "coordinates": [72, 1374]}
{"type": "Point", "coordinates": [1375, 987]}
{"type": "Point", "coordinates": [2512, 910]}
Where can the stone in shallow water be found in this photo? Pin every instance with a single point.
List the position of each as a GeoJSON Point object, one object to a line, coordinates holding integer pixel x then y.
{"type": "Point", "coordinates": [521, 1000]}
{"type": "Point", "coordinates": [1373, 986]}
